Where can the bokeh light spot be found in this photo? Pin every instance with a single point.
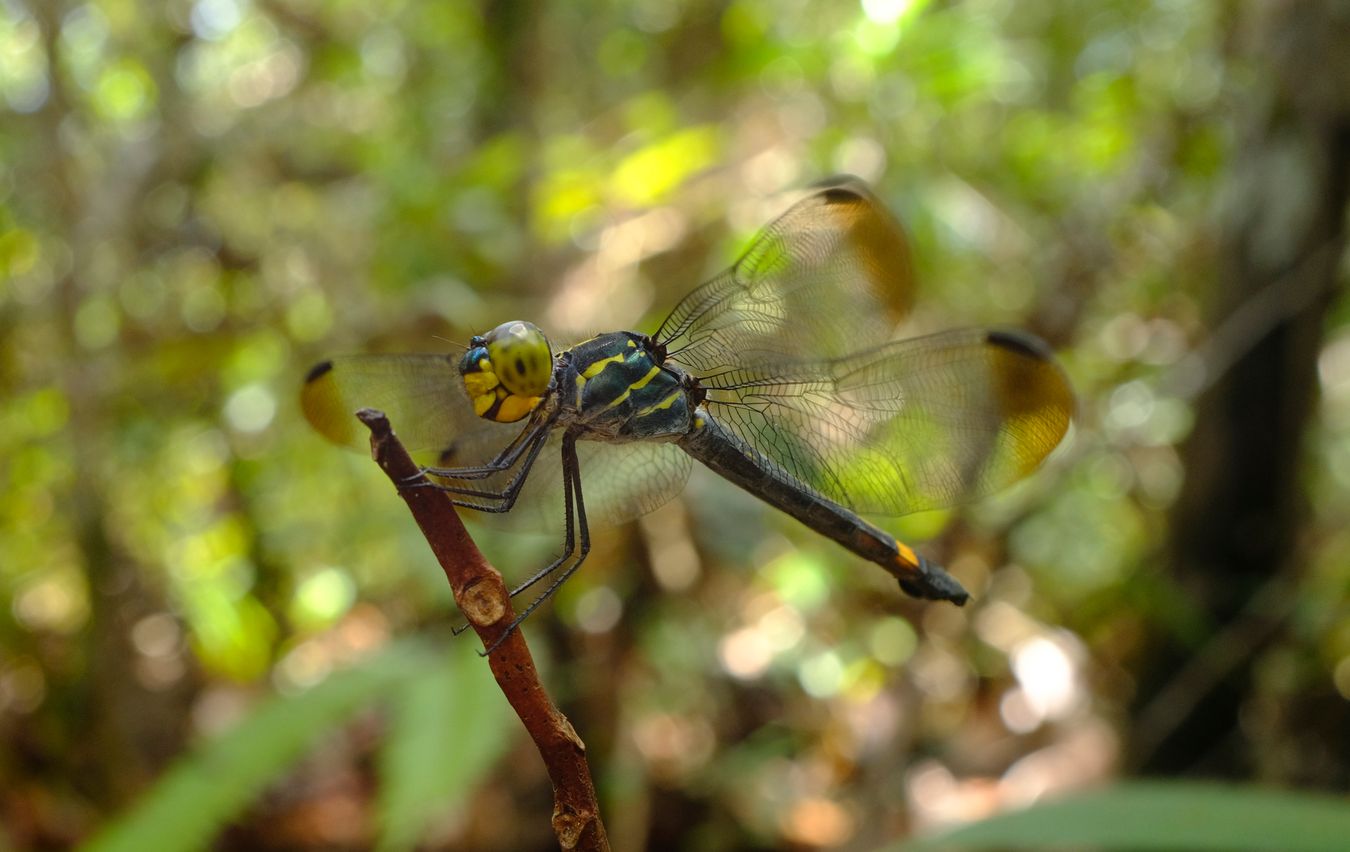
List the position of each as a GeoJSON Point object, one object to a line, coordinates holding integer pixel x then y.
{"type": "Point", "coordinates": [821, 675]}
{"type": "Point", "coordinates": [598, 610]}
{"type": "Point", "coordinates": [251, 408]}
{"type": "Point", "coordinates": [323, 597]}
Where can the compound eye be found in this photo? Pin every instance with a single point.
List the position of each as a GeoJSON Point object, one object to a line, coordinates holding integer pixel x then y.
{"type": "Point", "coordinates": [521, 357]}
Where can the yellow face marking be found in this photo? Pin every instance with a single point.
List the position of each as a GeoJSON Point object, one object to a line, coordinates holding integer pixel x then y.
{"type": "Point", "coordinates": [638, 385]}
{"type": "Point", "coordinates": [663, 404]}
{"type": "Point", "coordinates": [481, 387]}
{"type": "Point", "coordinates": [515, 407]}
{"type": "Point", "coordinates": [477, 384]}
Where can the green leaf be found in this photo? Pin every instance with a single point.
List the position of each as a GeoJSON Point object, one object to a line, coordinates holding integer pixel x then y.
{"type": "Point", "coordinates": [449, 728]}
{"type": "Point", "coordinates": [1164, 816]}
{"type": "Point", "coordinates": [211, 786]}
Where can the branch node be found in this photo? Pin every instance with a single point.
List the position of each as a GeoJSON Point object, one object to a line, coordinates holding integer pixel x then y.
{"type": "Point", "coordinates": [568, 826]}
{"type": "Point", "coordinates": [482, 604]}
{"type": "Point", "coordinates": [564, 726]}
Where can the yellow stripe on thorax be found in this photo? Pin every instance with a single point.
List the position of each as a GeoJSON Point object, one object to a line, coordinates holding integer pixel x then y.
{"type": "Point", "coordinates": [663, 404]}
{"type": "Point", "coordinates": [638, 385]}
{"type": "Point", "coordinates": [515, 407]}
{"type": "Point", "coordinates": [597, 367]}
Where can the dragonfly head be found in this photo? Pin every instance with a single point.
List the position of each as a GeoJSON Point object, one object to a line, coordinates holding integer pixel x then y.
{"type": "Point", "coordinates": [507, 371]}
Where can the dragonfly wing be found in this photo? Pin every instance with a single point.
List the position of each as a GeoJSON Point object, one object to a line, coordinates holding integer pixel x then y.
{"type": "Point", "coordinates": [624, 481]}
{"type": "Point", "coordinates": [905, 426]}
{"type": "Point", "coordinates": [426, 403]}
{"type": "Point", "coordinates": [619, 482]}
{"type": "Point", "coordinates": [831, 275]}
{"type": "Point", "coordinates": [423, 396]}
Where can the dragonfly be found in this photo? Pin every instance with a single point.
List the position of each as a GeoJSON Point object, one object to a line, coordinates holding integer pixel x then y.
{"type": "Point", "coordinates": [782, 374]}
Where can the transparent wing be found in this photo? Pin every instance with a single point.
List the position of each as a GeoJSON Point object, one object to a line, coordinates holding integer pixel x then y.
{"type": "Point", "coordinates": [905, 426]}
{"type": "Point", "coordinates": [618, 481]}
{"type": "Point", "coordinates": [830, 276]}
{"type": "Point", "coordinates": [431, 414]}
{"type": "Point", "coordinates": [423, 396]}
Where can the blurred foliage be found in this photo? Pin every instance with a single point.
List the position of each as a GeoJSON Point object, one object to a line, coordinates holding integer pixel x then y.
{"type": "Point", "coordinates": [200, 199]}
{"type": "Point", "coordinates": [1172, 817]}
{"type": "Point", "coordinates": [425, 767]}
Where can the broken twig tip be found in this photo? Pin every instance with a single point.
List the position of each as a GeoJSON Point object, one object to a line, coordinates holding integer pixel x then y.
{"type": "Point", "coordinates": [375, 421]}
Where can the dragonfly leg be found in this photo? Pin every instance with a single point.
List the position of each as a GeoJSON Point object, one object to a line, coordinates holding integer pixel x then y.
{"type": "Point", "coordinates": [568, 542]}
{"type": "Point", "coordinates": [504, 499]}
{"type": "Point", "coordinates": [508, 456]}
{"type": "Point", "coordinates": [571, 490]}
{"type": "Point", "coordinates": [569, 537]}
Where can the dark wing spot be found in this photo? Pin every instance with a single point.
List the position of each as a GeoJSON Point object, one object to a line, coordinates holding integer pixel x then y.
{"type": "Point", "coordinates": [841, 195]}
{"type": "Point", "coordinates": [318, 370]}
{"type": "Point", "coordinates": [447, 456]}
{"type": "Point", "coordinates": [520, 366]}
{"type": "Point", "coordinates": [1022, 344]}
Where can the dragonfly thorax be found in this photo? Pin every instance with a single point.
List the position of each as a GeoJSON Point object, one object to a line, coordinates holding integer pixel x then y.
{"type": "Point", "coordinates": [507, 371]}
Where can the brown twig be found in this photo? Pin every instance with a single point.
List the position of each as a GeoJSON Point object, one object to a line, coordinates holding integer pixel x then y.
{"type": "Point", "coordinates": [482, 596]}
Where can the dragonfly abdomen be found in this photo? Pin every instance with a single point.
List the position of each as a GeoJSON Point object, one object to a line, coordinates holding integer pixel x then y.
{"type": "Point", "coordinates": [731, 458]}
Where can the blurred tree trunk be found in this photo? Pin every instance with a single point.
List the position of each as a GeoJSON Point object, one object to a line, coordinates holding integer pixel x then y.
{"type": "Point", "coordinates": [124, 731]}
{"type": "Point", "coordinates": [1234, 542]}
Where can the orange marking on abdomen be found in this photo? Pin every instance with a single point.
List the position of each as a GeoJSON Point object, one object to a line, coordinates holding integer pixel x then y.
{"type": "Point", "coordinates": [906, 558]}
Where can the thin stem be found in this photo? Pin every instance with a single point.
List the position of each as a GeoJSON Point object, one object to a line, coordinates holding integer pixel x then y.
{"type": "Point", "coordinates": [482, 595]}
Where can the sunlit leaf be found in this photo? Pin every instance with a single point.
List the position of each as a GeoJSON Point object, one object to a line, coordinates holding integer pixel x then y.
{"type": "Point", "coordinates": [1173, 817]}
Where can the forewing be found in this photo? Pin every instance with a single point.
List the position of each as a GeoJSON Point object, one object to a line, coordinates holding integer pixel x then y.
{"type": "Point", "coordinates": [830, 276]}
{"type": "Point", "coordinates": [423, 396]}
{"type": "Point", "coordinates": [431, 414]}
{"type": "Point", "coordinates": [906, 426]}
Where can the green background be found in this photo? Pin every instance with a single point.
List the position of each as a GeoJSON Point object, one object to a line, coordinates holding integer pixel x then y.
{"type": "Point", "coordinates": [217, 629]}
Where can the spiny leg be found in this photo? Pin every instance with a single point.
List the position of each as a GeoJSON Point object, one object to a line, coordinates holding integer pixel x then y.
{"type": "Point", "coordinates": [569, 537]}
{"type": "Point", "coordinates": [569, 543]}
{"type": "Point", "coordinates": [572, 473]}
{"type": "Point", "coordinates": [507, 495]}
{"type": "Point", "coordinates": [503, 460]}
